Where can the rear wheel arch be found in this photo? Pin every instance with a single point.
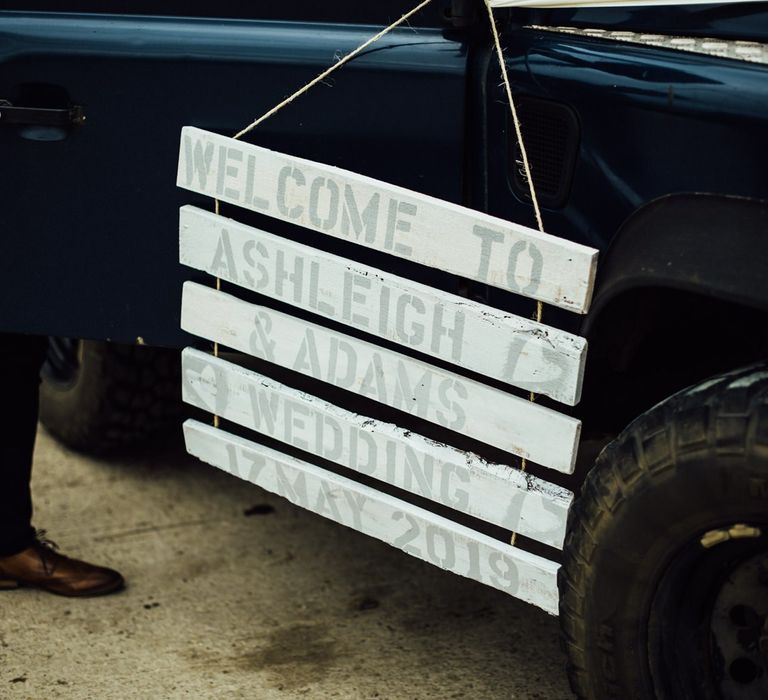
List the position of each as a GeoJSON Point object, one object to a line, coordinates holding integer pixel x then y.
{"type": "Point", "coordinates": [716, 245]}
{"type": "Point", "coordinates": [674, 304]}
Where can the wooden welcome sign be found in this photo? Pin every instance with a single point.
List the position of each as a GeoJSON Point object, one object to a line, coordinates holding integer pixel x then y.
{"type": "Point", "coordinates": [434, 323]}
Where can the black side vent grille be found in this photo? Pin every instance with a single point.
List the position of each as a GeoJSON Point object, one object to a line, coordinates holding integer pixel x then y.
{"type": "Point", "coordinates": [551, 133]}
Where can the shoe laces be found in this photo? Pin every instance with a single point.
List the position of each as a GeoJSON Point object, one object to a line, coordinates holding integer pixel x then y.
{"type": "Point", "coordinates": [46, 547]}
{"type": "Point", "coordinates": [42, 538]}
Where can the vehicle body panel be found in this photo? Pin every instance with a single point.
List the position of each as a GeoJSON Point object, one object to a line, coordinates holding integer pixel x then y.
{"type": "Point", "coordinates": [89, 222]}
{"type": "Point", "coordinates": [92, 218]}
{"type": "Point", "coordinates": [652, 122]}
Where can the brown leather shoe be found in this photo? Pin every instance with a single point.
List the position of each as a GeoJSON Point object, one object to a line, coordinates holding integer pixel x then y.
{"type": "Point", "coordinates": [41, 566]}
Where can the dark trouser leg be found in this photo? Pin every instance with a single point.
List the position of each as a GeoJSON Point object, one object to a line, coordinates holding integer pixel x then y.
{"type": "Point", "coordinates": [20, 360]}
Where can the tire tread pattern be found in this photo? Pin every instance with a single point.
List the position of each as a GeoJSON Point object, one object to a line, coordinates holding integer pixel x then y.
{"type": "Point", "coordinates": [727, 415]}
{"type": "Point", "coordinates": [125, 395]}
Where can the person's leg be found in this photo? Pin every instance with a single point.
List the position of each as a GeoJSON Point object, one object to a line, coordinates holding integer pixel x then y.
{"type": "Point", "coordinates": [25, 558]}
{"type": "Point", "coordinates": [21, 358]}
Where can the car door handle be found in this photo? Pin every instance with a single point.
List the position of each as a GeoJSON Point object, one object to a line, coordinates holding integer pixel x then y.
{"type": "Point", "coordinates": [40, 116]}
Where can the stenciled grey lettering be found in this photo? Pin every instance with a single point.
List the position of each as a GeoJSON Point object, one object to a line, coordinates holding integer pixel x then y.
{"type": "Point", "coordinates": [353, 281]}
{"type": "Point", "coordinates": [514, 510]}
{"type": "Point", "coordinates": [296, 414]}
{"type": "Point", "coordinates": [446, 559]}
{"type": "Point", "coordinates": [454, 496]}
{"type": "Point", "coordinates": [455, 333]}
{"type": "Point", "coordinates": [537, 267]}
{"type": "Point", "coordinates": [326, 503]}
{"type": "Point", "coordinates": [265, 404]}
{"type": "Point", "coordinates": [307, 357]}
{"type": "Point", "coordinates": [422, 473]}
{"type": "Point", "coordinates": [384, 310]}
{"type": "Point", "coordinates": [403, 541]}
{"type": "Point", "coordinates": [514, 353]}
{"type": "Point", "coordinates": [473, 570]}
{"type": "Point", "coordinates": [234, 464]}
{"type": "Point", "coordinates": [248, 248]}
{"type": "Point", "coordinates": [330, 444]}
{"type": "Point", "coordinates": [322, 183]}
{"type": "Point", "coordinates": [413, 398]}
{"type": "Point", "coordinates": [550, 359]}
{"type": "Point", "coordinates": [256, 464]}
{"type": "Point", "coordinates": [295, 278]}
{"type": "Point", "coordinates": [282, 191]}
{"type": "Point", "coordinates": [374, 383]}
{"type": "Point", "coordinates": [559, 511]}
{"type": "Point", "coordinates": [245, 463]}
{"type": "Point", "coordinates": [487, 238]}
{"type": "Point", "coordinates": [323, 307]}
{"type": "Point", "coordinates": [295, 491]}
{"type": "Point", "coordinates": [391, 461]}
{"type": "Point", "coordinates": [352, 221]}
{"type": "Point", "coordinates": [560, 362]}
{"type": "Point", "coordinates": [459, 415]}
{"type": "Point", "coordinates": [357, 504]}
{"type": "Point", "coordinates": [506, 576]}
{"type": "Point", "coordinates": [395, 223]}
{"type": "Point", "coordinates": [250, 196]}
{"type": "Point", "coordinates": [198, 160]}
{"type": "Point", "coordinates": [348, 379]}
{"type": "Point", "coordinates": [415, 335]}
{"type": "Point", "coordinates": [260, 344]}
{"type": "Point", "coordinates": [205, 386]}
{"type": "Point", "coordinates": [367, 463]}
{"type": "Point", "coordinates": [228, 170]}
{"type": "Point", "coordinates": [223, 264]}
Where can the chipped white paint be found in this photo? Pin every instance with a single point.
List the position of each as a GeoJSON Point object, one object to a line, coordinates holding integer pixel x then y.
{"type": "Point", "coordinates": [460, 404]}
{"type": "Point", "coordinates": [463, 481]}
{"type": "Point", "coordinates": [499, 345]}
{"type": "Point", "coordinates": [413, 530]}
{"type": "Point", "coordinates": [388, 218]}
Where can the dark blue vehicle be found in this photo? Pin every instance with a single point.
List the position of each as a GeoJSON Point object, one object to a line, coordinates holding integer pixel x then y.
{"type": "Point", "coordinates": [647, 130]}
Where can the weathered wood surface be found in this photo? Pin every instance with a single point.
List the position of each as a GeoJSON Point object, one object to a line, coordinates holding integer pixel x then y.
{"type": "Point", "coordinates": [468, 407]}
{"type": "Point", "coordinates": [463, 481]}
{"type": "Point", "coordinates": [499, 345]}
{"type": "Point", "coordinates": [388, 218]}
{"type": "Point", "coordinates": [413, 530]}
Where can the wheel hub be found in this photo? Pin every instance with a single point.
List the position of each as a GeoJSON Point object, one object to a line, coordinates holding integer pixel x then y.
{"type": "Point", "coordinates": [739, 628]}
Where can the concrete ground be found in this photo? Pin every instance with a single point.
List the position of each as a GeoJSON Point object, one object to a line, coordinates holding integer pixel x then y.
{"type": "Point", "coordinates": [235, 593]}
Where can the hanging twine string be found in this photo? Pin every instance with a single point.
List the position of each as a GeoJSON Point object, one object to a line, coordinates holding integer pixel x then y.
{"type": "Point", "coordinates": [217, 210]}
{"type": "Point", "coordinates": [526, 167]}
{"type": "Point", "coordinates": [319, 79]}
{"type": "Point", "coordinates": [334, 67]}
{"type": "Point", "coordinates": [515, 119]}
{"type": "Point", "coordinates": [346, 59]}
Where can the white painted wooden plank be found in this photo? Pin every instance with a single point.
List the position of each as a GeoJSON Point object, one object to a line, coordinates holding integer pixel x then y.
{"type": "Point", "coordinates": [414, 530]}
{"type": "Point", "coordinates": [463, 405]}
{"type": "Point", "coordinates": [500, 345]}
{"type": "Point", "coordinates": [494, 493]}
{"type": "Point", "coordinates": [388, 218]}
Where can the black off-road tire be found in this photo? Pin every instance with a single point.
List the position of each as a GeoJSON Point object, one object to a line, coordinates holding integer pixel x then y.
{"type": "Point", "coordinates": [98, 396]}
{"type": "Point", "coordinates": [664, 584]}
